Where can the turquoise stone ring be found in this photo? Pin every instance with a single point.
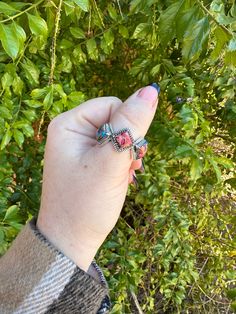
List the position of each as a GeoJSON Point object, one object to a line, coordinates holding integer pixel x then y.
{"type": "Point", "coordinates": [104, 133]}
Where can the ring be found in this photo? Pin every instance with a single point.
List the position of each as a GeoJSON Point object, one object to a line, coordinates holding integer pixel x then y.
{"type": "Point", "coordinates": [104, 133]}
{"type": "Point", "coordinates": [122, 140]}
{"type": "Point", "coordinates": [139, 148]}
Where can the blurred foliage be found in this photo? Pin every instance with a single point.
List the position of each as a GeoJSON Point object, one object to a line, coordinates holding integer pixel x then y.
{"type": "Point", "coordinates": [174, 248]}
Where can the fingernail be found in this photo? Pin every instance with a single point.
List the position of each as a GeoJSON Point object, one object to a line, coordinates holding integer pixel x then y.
{"type": "Point", "coordinates": [149, 93]}
{"type": "Point", "coordinates": [157, 87]}
{"type": "Point", "coordinates": [142, 169]}
{"type": "Point", "coordinates": [135, 181]}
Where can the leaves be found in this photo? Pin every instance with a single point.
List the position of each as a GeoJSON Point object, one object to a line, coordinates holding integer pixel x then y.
{"type": "Point", "coordinates": [37, 25]}
{"type": "Point", "coordinates": [92, 48]}
{"type": "Point", "coordinates": [83, 4]}
{"type": "Point", "coordinates": [177, 220]}
{"type": "Point", "coordinates": [6, 139]}
{"type": "Point", "coordinates": [9, 40]}
{"type": "Point", "coordinates": [142, 30]}
{"type": "Point", "coordinates": [19, 137]}
{"type": "Point", "coordinates": [167, 23]}
{"type": "Point", "coordinates": [31, 72]}
{"type": "Point", "coordinates": [7, 9]}
{"type": "Point", "coordinates": [195, 40]}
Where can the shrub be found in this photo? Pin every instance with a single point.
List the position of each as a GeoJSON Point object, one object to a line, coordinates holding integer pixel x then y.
{"type": "Point", "coordinates": [173, 249]}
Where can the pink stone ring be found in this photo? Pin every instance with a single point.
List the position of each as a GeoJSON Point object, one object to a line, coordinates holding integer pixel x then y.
{"type": "Point", "coordinates": [122, 140]}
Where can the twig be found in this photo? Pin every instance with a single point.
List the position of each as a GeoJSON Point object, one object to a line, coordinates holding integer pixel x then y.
{"type": "Point", "coordinates": [99, 15]}
{"type": "Point", "coordinates": [54, 43]}
{"type": "Point", "coordinates": [213, 300]}
{"type": "Point", "coordinates": [140, 311]}
{"type": "Point", "coordinates": [118, 3]}
{"type": "Point", "coordinates": [201, 270]}
{"type": "Point", "coordinates": [22, 12]}
{"type": "Point", "coordinates": [225, 29]}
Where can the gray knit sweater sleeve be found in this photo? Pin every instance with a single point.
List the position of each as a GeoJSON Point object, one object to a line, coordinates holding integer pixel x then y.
{"type": "Point", "coordinates": [35, 278]}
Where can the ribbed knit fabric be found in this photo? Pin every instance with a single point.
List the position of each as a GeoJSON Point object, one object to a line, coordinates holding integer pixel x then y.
{"type": "Point", "coordinates": [35, 278]}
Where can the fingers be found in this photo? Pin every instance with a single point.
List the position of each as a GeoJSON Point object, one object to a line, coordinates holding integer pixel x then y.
{"type": "Point", "coordinates": [88, 117]}
{"type": "Point", "coordinates": [136, 113]}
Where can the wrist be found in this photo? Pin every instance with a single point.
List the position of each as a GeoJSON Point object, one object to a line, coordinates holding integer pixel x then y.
{"type": "Point", "coordinates": [81, 254]}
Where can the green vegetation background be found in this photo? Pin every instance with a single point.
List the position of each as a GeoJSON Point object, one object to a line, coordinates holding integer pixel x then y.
{"type": "Point", "coordinates": [173, 250]}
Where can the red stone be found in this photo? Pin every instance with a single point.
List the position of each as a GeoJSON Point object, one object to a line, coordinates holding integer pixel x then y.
{"type": "Point", "coordinates": [124, 139]}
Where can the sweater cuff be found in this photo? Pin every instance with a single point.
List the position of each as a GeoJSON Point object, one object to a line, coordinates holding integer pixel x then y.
{"type": "Point", "coordinates": [47, 281]}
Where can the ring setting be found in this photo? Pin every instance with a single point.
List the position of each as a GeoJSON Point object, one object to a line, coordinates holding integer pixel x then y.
{"type": "Point", "coordinates": [122, 140]}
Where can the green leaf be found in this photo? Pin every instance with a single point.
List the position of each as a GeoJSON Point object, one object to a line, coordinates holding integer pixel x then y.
{"type": "Point", "coordinates": [196, 169]}
{"type": "Point", "coordinates": [48, 100]}
{"type": "Point", "coordinates": [83, 4]}
{"type": "Point", "coordinates": [92, 48]}
{"type": "Point", "coordinates": [6, 139]}
{"type": "Point", "coordinates": [37, 25]}
{"type": "Point", "coordinates": [167, 29]}
{"type": "Point", "coordinates": [9, 39]}
{"type": "Point", "coordinates": [77, 32]}
{"type": "Point", "coordinates": [221, 39]}
{"type": "Point", "coordinates": [27, 129]}
{"type": "Point", "coordinates": [33, 103]}
{"type": "Point", "coordinates": [29, 114]}
{"type": "Point", "coordinates": [216, 169]}
{"type": "Point", "coordinates": [109, 37]}
{"type": "Point", "coordinates": [38, 93]}
{"type": "Point", "coordinates": [124, 31]}
{"type": "Point", "coordinates": [31, 72]}
{"type": "Point", "coordinates": [112, 11]}
{"type": "Point", "coordinates": [230, 58]}
{"type": "Point", "coordinates": [18, 85]}
{"type": "Point", "coordinates": [21, 35]}
{"type": "Point", "coordinates": [185, 21]}
{"type": "Point", "coordinates": [11, 213]}
{"type": "Point", "coordinates": [142, 30]}
{"type": "Point", "coordinates": [5, 113]}
{"type": "Point", "coordinates": [195, 40]}
{"type": "Point", "coordinates": [19, 137]}
{"type": "Point", "coordinates": [7, 9]}
{"type": "Point", "coordinates": [184, 151]}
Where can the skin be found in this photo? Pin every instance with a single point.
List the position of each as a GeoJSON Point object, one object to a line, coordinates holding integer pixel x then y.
{"type": "Point", "coordinates": [84, 183]}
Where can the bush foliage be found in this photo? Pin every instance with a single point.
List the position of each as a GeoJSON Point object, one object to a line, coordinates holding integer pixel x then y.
{"type": "Point", "coordinates": [173, 250]}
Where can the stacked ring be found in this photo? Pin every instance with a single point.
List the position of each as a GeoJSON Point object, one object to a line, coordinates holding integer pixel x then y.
{"type": "Point", "coordinates": [104, 133]}
{"type": "Point", "coordinates": [122, 140]}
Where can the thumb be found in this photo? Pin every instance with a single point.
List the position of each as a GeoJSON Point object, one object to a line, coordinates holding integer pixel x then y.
{"type": "Point", "coordinates": [137, 112]}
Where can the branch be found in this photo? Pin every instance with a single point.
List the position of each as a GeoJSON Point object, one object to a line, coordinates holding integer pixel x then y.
{"type": "Point", "coordinates": [225, 29]}
{"type": "Point", "coordinates": [54, 43]}
{"type": "Point", "coordinates": [140, 311]}
{"type": "Point", "coordinates": [22, 12]}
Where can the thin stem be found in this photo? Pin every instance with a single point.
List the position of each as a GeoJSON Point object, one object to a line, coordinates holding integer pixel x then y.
{"type": "Point", "coordinates": [99, 15]}
{"type": "Point", "coordinates": [135, 299]}
{"type": "Point", "coordinates": [54, 43]}
{"type": "Point", "coordinates": [22, 12]}
{"type": "Point", "coordinates": [225, 29]}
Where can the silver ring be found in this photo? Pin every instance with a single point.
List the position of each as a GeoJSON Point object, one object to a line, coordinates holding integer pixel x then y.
{"type": "Point", "coordinates": [122, 140]}
{"type": "Point", "coordinates": [104, 133]}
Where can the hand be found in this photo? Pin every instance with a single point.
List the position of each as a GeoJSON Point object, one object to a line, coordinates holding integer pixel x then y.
{"type": "Point", "coordinates": [85, 184]}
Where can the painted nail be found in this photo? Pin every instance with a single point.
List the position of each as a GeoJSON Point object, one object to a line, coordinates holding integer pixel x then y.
{"type": "Point", "coordinates": [148, 93]}
{"type": "Point", "coordinates": [142, 169]}
{"type": "Point", "coordinates": [157, 87]}
{"type": "Point", "coordinates": [135, 180]}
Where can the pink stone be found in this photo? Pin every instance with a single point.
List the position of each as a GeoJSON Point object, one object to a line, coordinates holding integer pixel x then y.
{"type": "Point", "coordinates": [124, 139]}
